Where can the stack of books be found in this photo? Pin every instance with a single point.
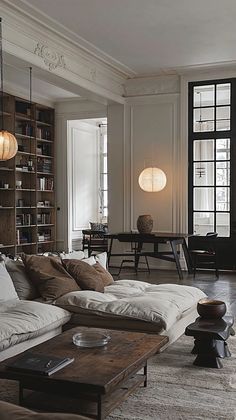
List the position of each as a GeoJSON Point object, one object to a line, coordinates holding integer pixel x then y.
{"type": "Point", "coordinates": [40, 364]}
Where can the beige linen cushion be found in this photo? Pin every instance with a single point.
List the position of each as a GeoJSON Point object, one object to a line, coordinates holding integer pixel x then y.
{"type": "Point", "coordinates": [49, 276]}
{"type": "Point", "coordinates": [85, 275]}
{"type": "Point", "coordinates": [10, 411]}
{"type": "Point", "coordinates": [7, 289]}
{"type": "Point", "coordinates": [25, 288]}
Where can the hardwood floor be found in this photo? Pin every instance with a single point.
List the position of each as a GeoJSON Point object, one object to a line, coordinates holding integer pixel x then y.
{"type": "Point", "coordinates": [223, 288]}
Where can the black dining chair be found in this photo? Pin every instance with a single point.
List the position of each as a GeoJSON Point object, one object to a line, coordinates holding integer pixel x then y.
{"type": "Point", "coordinates": [207, 256]}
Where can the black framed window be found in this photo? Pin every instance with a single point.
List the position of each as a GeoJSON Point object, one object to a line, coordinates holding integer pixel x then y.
{"type": "Point", "coordinates": [211, 134]}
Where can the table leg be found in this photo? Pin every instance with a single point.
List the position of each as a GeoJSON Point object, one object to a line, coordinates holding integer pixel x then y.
{"type": "Point", "coordinates": [208, 354]}
{"type": "Point", "coordinates": [187, 256]}
{"type": "Point", "coordinates": [21, 394]}
{"type": "Point", "coordinates": [109, 252]}
{"type": "Point", "coordinates": [176, 258]}
{"type": "Point", "coordinates": [99, 407]}
{"type": "Point", "coordinates": [145, 373]}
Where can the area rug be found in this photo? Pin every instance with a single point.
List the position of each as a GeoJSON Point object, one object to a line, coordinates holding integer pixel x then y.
{"type": "Point", "coordinates": [177, 390]}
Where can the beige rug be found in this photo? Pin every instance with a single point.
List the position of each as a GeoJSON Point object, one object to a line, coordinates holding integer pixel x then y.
{"type": "Point", "coordinates": [176, 390]}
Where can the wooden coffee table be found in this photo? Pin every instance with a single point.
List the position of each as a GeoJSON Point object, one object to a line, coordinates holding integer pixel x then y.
{"type": "Point", "coordinates": [102, 376]}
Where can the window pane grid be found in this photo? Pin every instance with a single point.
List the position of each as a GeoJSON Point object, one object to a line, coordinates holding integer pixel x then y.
{"type": "Point", "coordinates": [211, 169]}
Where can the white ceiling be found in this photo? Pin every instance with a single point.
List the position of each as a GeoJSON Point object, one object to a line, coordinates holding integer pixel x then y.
{"type": "Point", "coordinates": [20, 77]}
{"type": "Point", "coordinates": [147, 36]}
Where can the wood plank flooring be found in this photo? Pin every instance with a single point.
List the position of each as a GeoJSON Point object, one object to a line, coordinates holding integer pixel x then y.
{"type": "Point", "coordinates": [223, 288]}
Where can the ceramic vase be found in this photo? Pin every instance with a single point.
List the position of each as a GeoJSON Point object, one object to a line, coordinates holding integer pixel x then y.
{"type": "Point", "coordinates": [145, 223]}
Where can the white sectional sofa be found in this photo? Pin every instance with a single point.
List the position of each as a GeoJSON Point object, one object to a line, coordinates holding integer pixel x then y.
{"type": "Point", "coordinates": [25, 323]}
{"type": "Point", "coordinates": [26, 319]}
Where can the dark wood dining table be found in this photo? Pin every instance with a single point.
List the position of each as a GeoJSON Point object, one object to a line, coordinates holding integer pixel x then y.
{"type": "Point", "coordinates": [156, 238]}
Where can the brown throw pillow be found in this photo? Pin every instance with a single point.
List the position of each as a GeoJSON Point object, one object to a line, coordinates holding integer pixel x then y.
{"type": "Point", "coordinates": [106, 277]}
{"type": "Point", "coordinates": [49, 276]}
{"type": "Point", "coordinates": [84, 274]}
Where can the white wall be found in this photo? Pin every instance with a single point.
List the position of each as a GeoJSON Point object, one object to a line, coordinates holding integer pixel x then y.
{"type": "Point", "coordinates": [142, 133]}
{"type": "Point", "coordinates": [83, 150]}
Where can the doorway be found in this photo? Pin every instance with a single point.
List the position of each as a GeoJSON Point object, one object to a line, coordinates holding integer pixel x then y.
{"type": "Point", "coordinates": [212, 166]}
{"type": "Point", "coordinates": [87, 176]}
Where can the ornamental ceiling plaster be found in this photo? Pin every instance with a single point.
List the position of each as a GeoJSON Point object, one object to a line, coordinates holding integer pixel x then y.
{"type": "Point", "coordinates": [141, 37]}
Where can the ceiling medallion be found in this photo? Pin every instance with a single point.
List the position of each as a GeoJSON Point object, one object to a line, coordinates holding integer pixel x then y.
{"type": "Point", "coordinates": [51, 58]}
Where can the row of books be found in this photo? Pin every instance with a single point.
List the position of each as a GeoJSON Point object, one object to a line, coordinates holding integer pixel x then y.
{"type": "Point", "coordinates": [23, 237]}
{"type": "Point", "coordinates": [44, 218]}
{"type": "Point", "coordinates": [24, 219]}
{"type": "Point", "coordinates": [44, 236]}
{"type": "Point", "coordinates": [45, 184]}
{"type": "Point", "coordinates": [44, 165]}
{"type": "Point", "coordinates": [43, 133]}
{"type": "Point", "coordinates": [43, 149]}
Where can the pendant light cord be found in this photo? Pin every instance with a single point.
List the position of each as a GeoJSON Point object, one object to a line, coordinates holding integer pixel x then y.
{"type": "Point", "coordinates": [30, 157]}
{"type": "Point", "coordinates": [1, 64]}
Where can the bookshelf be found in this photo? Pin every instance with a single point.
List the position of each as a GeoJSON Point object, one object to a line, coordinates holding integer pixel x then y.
{"type": "Point", "coordinates": [27, 188]}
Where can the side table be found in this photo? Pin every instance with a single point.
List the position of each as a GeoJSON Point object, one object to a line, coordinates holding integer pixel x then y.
{"type": "Point", "coordinates": [210, 340]}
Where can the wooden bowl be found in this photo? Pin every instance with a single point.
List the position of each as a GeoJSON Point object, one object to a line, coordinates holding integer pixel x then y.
{"type": "Point", "coordinates": [211, 309]}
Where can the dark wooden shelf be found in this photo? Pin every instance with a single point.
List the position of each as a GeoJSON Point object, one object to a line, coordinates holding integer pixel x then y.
{"type": "Point", "coordinates": [26, 153]}
{"type": "Point", "coordinates": [38, 122]}
{"type": "Point", "coordinates": [44, 140]}
{"type": "Point", "coordinates": [48, 191]}
{"type": "Point", "coordinates": [46, 156]}
{"type": "Point", "coordinates": [45, 173]}
{"type": "Point", "coordinates": [45, 242]}
{"type": "Point", "coordinates": [23, 116]}
{"type": "Point", "coordinates": [45, 225]}
{"type": "Point", "coordinates": [26, 244]}
{"type": "Point", "coordinates": [25, 226]}
{"type": "Point", "coordinates": [25, 189]}
{"type": "Point", "coordinates": [7, 246]}
{"type": "Point", "coordinates": [24, 136]}
{"type": "Point", "coordinates": [26, 207]}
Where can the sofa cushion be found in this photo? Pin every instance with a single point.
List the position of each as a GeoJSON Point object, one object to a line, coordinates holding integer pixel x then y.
{"type": "Point", "coordinates": [14, 412]}
{"type": "Point", "coordinates": [106, 277]}
{"type": "Point", "coordinates": [7, 289]}
{"type": "Point", "coordinates": [75, 255]}
{"type": "Point", "coordinates": [49, 276]}
{"type": "Point", "coordinates": [24, 319]}
{"type": "Point", "coordinates": [25, 288]}
{"type": "Point", "coordinates": [86, 276]}
{"type": "Point", "coordinates": [162, 304]}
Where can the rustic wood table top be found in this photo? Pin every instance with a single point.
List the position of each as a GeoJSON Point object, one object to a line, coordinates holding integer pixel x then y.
{"type": "Point", "coordinates": [97, 370]}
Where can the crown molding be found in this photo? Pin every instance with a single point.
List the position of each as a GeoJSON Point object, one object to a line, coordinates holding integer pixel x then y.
{"type": "Point", "coordinates": [32, 42]}
{"type": "Point", "coordinates": [152, 86]}
{"type": "Point", "coordinates": [25, 9]}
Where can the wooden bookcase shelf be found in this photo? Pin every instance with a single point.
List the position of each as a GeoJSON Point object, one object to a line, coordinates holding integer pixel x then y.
{"type": "Point", "coordinates": [27, 196]}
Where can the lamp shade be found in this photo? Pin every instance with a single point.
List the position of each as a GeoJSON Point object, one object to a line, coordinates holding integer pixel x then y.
{"type": "Point", "coordinates": [8, 145]}
{"type": "Point", "coordinates": [152, 180]}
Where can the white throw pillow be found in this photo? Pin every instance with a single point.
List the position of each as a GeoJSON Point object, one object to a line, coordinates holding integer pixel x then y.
{"type": "Point", "coordinates": [100, 258]}
{"type": "Point", "coordinates": [91, 260]}
{"type": "Point", "coordinates": [74, 255]}
{"type": "Point", "coordinates": [7, 289]}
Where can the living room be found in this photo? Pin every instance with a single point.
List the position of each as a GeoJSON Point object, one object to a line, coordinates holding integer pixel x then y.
{"type": "Point", "coordinates": [134, 66]}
